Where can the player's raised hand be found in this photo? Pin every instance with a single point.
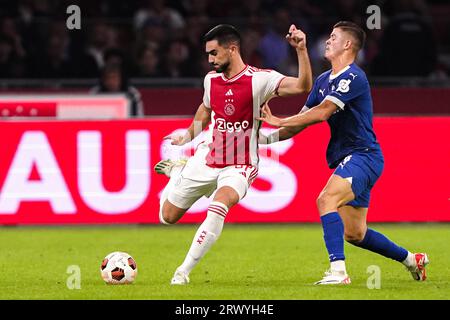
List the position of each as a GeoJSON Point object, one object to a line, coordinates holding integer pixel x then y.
{"type": "Point", "coordinates": [296, 37]}
{"type": "Point", "coordinates": [268, 117]}
{"type": "Point", "coordinates": [176, 140]}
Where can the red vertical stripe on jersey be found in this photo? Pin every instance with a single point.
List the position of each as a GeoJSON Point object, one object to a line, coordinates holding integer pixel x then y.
{"type": "Point", "coordinates": [232, 103]}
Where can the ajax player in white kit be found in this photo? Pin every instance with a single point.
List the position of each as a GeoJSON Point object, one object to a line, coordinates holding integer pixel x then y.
{"type": "Point", "coordinates": [228, 160]}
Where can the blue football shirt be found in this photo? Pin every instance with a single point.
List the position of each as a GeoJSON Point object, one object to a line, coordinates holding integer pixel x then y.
{"type": "Point", "coordinates": [351, 124]}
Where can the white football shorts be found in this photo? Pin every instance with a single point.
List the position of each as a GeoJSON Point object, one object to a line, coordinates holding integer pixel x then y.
{"type": "Point", "coordinates": [197, 180]}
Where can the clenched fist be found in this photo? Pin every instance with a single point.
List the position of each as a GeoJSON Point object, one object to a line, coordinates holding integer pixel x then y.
{"type": "Point", "coordinates": [296, 37]}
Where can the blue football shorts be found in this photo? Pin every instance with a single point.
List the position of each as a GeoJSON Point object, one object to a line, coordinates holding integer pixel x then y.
{"type": "Point", "coordinates": [362, 169]}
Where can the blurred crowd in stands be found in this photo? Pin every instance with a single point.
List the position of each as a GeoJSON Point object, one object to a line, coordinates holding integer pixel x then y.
{"type": "Point", "coordinates": [163, 38]}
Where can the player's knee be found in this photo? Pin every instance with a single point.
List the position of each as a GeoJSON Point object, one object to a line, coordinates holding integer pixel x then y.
{"type": "Point", "coordinates": [325, 202]}
{"type": "Point", "coordinates": [166, 216]}
{"type": "Point", "coordinates": [320, 201]}
{"type": "Point", "coordinates": [166, 219]}
{"type": "Point", "coordinates": [163, 218]}
{"type": "Point", "coordinates": [354, 236]}
{"type": "Point", "coordinates": [228, 196]}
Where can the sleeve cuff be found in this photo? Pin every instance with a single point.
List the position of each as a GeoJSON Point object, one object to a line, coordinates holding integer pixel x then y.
{"type": "Point", "coordinates": [278, 86]}
{"type": "Point", "coordinates": [336, 101]}
{"type": "Point", "coordinates": [304, 109]}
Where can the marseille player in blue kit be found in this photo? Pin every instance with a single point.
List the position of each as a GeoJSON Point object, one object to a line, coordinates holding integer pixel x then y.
{"type": "Point", "coordinates": [341, 96]}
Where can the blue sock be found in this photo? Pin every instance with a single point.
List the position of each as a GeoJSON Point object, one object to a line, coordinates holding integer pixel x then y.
{"type": "Point", "coordinates": [376, 242]}
{"type": "Point", "coordinates": [333, 234]}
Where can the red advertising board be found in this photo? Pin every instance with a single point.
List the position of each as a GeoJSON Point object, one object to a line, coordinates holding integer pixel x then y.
{"type": "Point", "coordinates": [65, 106]}
{"type": "Point", "coordinates": [57, 172]}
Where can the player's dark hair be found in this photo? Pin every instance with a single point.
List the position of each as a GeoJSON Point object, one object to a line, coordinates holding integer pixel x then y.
{"type": "Point", "coordinates": [225, 35]}
{"type": "Point", "coordinates": [356, 31]}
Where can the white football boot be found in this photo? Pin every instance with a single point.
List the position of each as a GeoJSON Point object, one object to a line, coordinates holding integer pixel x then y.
{"type": "Point", "coordinates": [334, 277]}
{"type": "Point", "coordinates": [179, 278]}
{"type": "Point", "coordinates": [418, 270]}
{"type": "Point", "coordinates": [165, 166]}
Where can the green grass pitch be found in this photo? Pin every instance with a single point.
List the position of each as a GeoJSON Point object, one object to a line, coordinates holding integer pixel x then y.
{"type": "Point", "coordinates": [248, 262]}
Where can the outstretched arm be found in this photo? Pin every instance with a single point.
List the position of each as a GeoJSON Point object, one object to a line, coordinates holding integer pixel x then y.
{"type": "Point", "coordinates": [201, 119]}
{"type": "Point", "coordinates": [279, 135]}
{"type": "Point", "coordinates": [290, 85]}
{"type": "Point", "coordinates": [319, 113]}
{"type": "Point", "coordinates": [282, 133]}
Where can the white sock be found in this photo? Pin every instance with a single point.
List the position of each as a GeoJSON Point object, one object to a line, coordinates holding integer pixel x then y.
{"type": "Point", "coordinates": [174, 174]}
{"type": "Point", "coordinates": [410, 260]}
{"type": "Point", "coordinates": [207, 234]}
{"type": "Point", "coordinates": [338, 266]}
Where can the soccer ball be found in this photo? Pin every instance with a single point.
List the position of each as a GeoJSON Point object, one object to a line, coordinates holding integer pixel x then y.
{"type": "Point", "coordinates": [118, 268]}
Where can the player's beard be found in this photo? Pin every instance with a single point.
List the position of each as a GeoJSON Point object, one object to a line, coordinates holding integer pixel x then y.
{"type": "Point", "coordinates": [222, 67]}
